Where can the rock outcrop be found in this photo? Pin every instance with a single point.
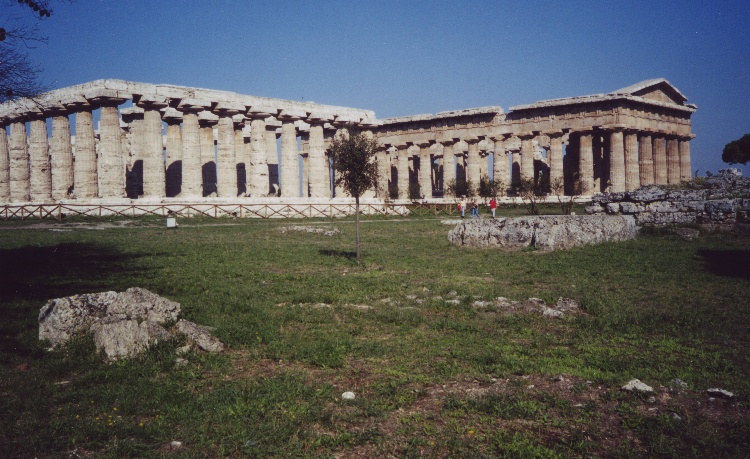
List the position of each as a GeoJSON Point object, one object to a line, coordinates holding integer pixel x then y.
{"type": "Point", "coordinates": [123, 324]}
{"type": "Point", "coordinates": [545, 232]}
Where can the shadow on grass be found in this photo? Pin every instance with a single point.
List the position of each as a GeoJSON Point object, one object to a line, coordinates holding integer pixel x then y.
{"type": "Point", "coordinates": [32, 275]}
{"type": "Point", "coordinates": [728, 263]}
{"type": "Point", "coordinates": [339, 253]}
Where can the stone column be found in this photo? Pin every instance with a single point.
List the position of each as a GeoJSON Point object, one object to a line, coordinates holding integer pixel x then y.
{"type": "Point", "coordinates": [586, 163]}
{"type": "Point", "coordinates": [472, 161]}
{"type": "Point", "coordinates": [4, 166]}
{"type": "Point", "coordinates": [173, 118]}
{"type": "Point", "coordinates": [289, 154]}
{"type": "Point", "coordinates": [318, 168]}
{"type": "Point", "coordinates": [257, 171]}
{"type": "Point", "coordinates": [192, 174]}
{"type": "Point", "coordinates": [272, 155]}
{"type": "Point", "coordinates": [515, 173]}
{"type": "Point", "coordinates": [226, 156]}
{"type": "Point", "coordinates": [632, 172]}
{"type": "Point", "coordinates": [40, 178]}
{"type": "Point", "coordinates": [133, 151]}
{"type": "Point", "coordinates": [425, 169]}
{"type": "Point", "coordinates": [207, 121]}
{"type": "Point", "coordinates": [403, 171]}
{"type": "Point", "coordinates": [660, 160]}
{"type": "Point", "coordinates": [527, 156]}
{"type": "Point", "coordinates": [111, 164]}
{"type": "Point", "coordinates": [449, 164]}
{"type": "Point", "coordinates": [18, 153]}
{"type": "Point", "coordinates": [555, 159]}
{"type": "Point", "coordinates": [647, 160]}
{"type": "Point", "coordinates": [154, 176]}
{"type": "Point", "coordinates": [673, 161]}
{"type": "Point", "coordinates": [86, 183]}
{"type": "Point", "coordinates": [616, 161]}
{"type": "Point", "coordinates": [304, 150]}
{"type": "Point", "coordinates": [686, 173]}
{"type": "Point", "coordinates": [61, 154]}
{"type": "Point", "coordinates": [241, 152]}
{"type": "Point", "coordinates": [384, 168]}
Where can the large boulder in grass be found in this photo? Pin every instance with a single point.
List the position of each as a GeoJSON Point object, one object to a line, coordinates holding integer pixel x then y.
{"type": "Point", "coordinates": [545, 232]}
{"type": "Point", "coordinates": [123, 324]}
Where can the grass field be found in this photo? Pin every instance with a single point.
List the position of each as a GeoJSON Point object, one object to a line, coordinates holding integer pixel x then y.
{"type": "Point", "coordinates": [432, 378]}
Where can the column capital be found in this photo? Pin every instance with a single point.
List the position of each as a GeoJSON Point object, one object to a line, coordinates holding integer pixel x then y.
{"type": "Point", "coordinates": [193, 105]}
{"type": "Point", "coordinates": [554, 133]}
{"type": "Point", "coordinates": [228, 109]}
{"type": "Point", "coordinates": [613, 127]}
{"type": "Point", "coordinates": [171, 115]}
{"type": "Point", "coordinates": [151, 102]}
{"type": "Point", "coordinates": [102, 95]}
{"type": "Point", "coordinates": [290, 115]}
{"type": "Point", "coordinates": [317, 118]}
{"type": "Point", "coordinates": [206, 118]}
{"type": "Point", "coordinates": [527, 135]}
{"type": "Point", "coordinates": [131, 114]}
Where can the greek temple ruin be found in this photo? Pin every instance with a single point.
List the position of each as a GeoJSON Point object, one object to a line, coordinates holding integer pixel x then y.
{"type": "Point", "coordinates": [121, 140]}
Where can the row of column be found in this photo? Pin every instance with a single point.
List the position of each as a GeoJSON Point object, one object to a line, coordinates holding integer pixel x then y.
{"type": "Point", "coordinates": [128, 158]}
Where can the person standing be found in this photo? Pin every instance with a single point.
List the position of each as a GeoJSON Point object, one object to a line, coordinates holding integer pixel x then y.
{"type": "Point", "coordinates": [474, 209]}
{"type": "Point", "coordinates": [463, 206]}
{"type": "Point", "coordinates": [493, 206]}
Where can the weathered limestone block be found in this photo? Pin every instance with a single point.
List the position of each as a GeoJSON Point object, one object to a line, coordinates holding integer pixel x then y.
{"type": "Point", "coordinates": [4, 167]}
{"type": "Point", "coordinates": [544, 232]}
{"type": "Point", "coordinates": [629, 208]}
{"type": "Point", "coordinates": [648, 194]}
{"type": "Point", "coordinates": [721, 206]}
{"type": "Point", "coordinates": [613, 208]}
{"type": "Point", "coordinates": [126, 338]}
{"type": "Point", "coordinates": [200, 336]}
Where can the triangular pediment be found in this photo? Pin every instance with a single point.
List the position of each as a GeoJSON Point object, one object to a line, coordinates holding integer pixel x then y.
{"type": "Point", "coordinates": [658, 89]}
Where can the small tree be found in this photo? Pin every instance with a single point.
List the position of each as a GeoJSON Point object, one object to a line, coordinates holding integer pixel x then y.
{"type": "Point", "coordinates": [737, 151]}
{"type": "Point", "coordinates": [530, 194]}
{"type": "Point", "coordinates": [566, 201]}
{"type": "Point", "coordinates": [353, 157]}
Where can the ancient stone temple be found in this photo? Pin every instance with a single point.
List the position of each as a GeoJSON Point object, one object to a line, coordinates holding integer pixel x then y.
{"type": "Point", "coordinates": [120, 140]}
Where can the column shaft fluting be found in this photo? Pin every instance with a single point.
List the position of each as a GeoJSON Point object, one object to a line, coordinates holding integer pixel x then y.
{"type": "Point", "coordinates": [645, 146]}
{"type": "Point", "coordinates": [192, 175]}
{"type": "Point", "coordinates": [527, 158]}
{"type": "Point", "coordinates": [272, 159]}
{"type": "Point", "coordinates": [673, 161]}
{"type": "Point", "coordinates": [61, 157]}
{"type": "Point", "coordinates": [174, 158]}
{"type": "Point", "coordinates": [686, 172]}
{"type": "Point", "coordinates": [616, 162]}
{"type": "Point", "coordinates": [208, 156]}
{"type": "Point", "coordinates": [425, 170]}
{"type": "Point", "coordinates": [556, 174]}
{"type": "Point", "coordinates": [384, 168]}
{"type": "Point", "coordinates": [153, 154]}
{"type": "Point", "coordinates": [257, 173]}
{"type": "Point", "coordinates": [632, 172]}
{"type": "Point", "coordinates": [660, 161]}
{"type": "Point", "coordinates": [241, 155]}
{"type": "Point", "coordinates": [18, 153]}
{"type": "Point", "coordinates": [289, 160]}
{"type": "Point", "coordinates": [86, 184]}
{"type": "Point", "coordinates": [472, 162]}
{"type": "Point", "coordinates": [403, 172]}
{"type": "Point", "coordinates": [4, 166]}
{"type": "Point", "coordinates": [40, 178]}
{"type": "Point", "coordinates": [111, 165]}
{"type": "Point", "coordinates": [449, 165]}
{"type": "Point", "coordinates": [586, 164]}
{"type": "Point", "coordinates": [226, 162]}
{"type": "Point", "coordinates": [318, 167]}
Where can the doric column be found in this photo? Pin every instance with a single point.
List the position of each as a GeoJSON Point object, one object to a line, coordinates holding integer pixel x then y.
{"type": "Point", "coordinates": [18, 153]}
{"type": "Point", "coordinates": [257, 171]}
{"type": "Point", "coordinates": [154, 181]}
{"type": "Point", "coordinates": [632, 172]}
{"type": "Point", "coordinates": [4, 165]}
{"type": "Point", "coordinates": [685, 168]}
{"type": "Point", "coordinates": [192, 174]}
{"type": "Point", "coordinates": [111, 164]}
{"type": "Point", "coordinates": [61, 154]}
{"type": "Point", "coordinates": [515, 171]}
{"type": "Point", "coordinates": [273, 130]}
{"type": "Point", "coordinates": [241, 152]}
{"type": "Point", "coordinates": [304, 151]}
{"type": "Point", "coordinates": [555, 158]}
{"type": "Point", "coordinates": [207, 121]}
{"type": "Point", "coordinates": [318, 161]}
{"type": "Point", "coordinates": [425, 169]}
{"type": "Point", "coordinates": [586, 163]}
{"type": "Point", "coordinates": [403, 171]}
{"type": "Point", "coordinates": [173, 174]}
{"type": "Point", "coordinates": [647, 159]}
{"type": "Point", "coordinates": [40, 179]}
{"type": "Point", "coordinates": [660, 160]}
{"type": "Point", "coordinates": [133, 150]}
{"type": "Point", "coordinates": [85, 181]}
{"type": "Point", "coordinates": [616, 160]}
{"type": "Point", "coordinates": [226, 156]}
{"type": "Point", "coordinates": [289, 153]}
{"type": "Point", "coordinates": [472, 161]}
{"type": "Point", "coordinates": [673, 161]}
{"type": "Point", "coordinates": [384, 169]}
{"type": "Point", "coordinates": [449, 163]}
{"type": "Point", "coordinates": [527, 156]}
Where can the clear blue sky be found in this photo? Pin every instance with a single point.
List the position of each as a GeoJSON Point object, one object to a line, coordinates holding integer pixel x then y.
{"type": "Point", "coordinates": [409, 57]}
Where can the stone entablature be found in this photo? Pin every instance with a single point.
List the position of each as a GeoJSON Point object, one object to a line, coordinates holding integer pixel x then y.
{"type": "Point", "coordinates": [157, 141]}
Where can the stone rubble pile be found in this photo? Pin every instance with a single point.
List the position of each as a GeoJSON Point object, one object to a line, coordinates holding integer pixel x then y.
{"type": "Point", "coordinates": [722, 203]}
{"type": "Point", "coordinates": [545, 232]}
{"type": "Point", "coordinates": [123, 324]}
